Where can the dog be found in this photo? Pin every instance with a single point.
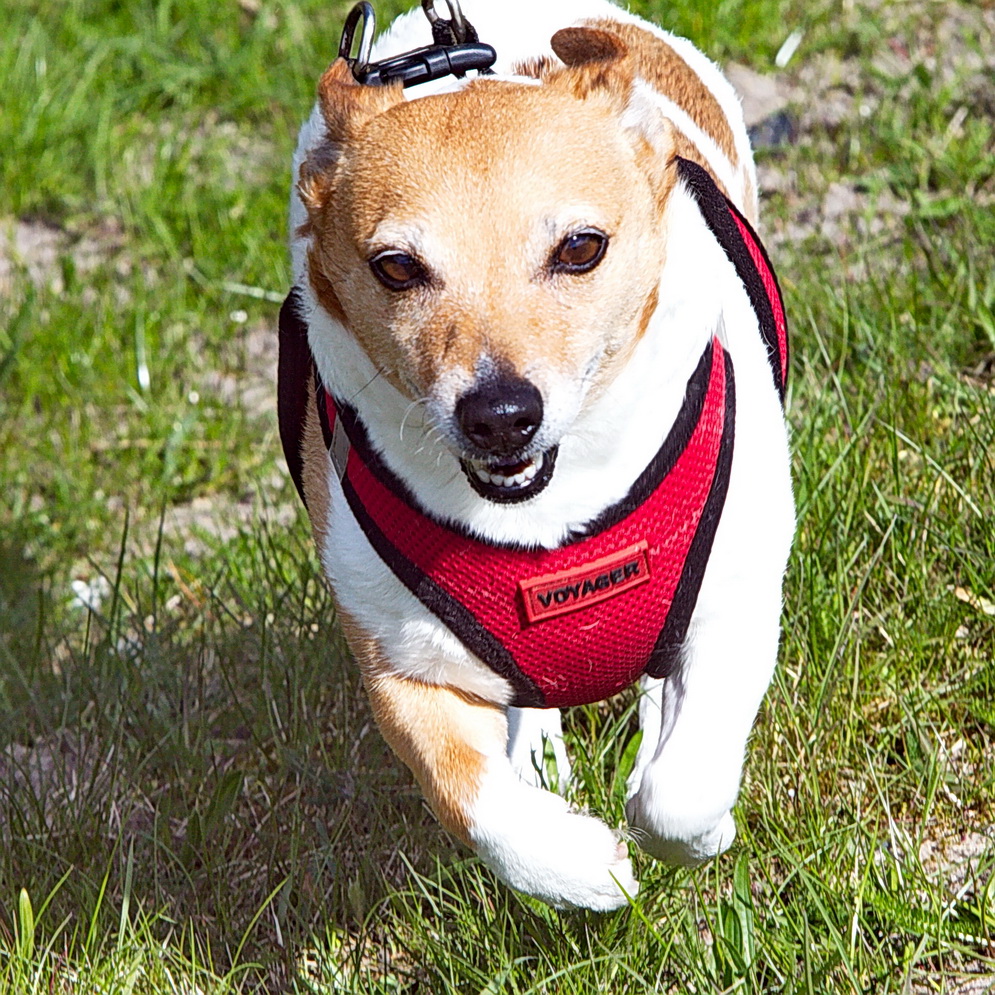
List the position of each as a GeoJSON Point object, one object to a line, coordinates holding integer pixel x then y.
{"type": "Point", "coordinates": [531, 386]}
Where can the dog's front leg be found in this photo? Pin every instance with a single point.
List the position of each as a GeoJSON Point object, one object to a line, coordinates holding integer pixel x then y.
{"type": "Point", "coordinates": [695, 725]}
{"type": "Point", "coordinates": [457, 747]}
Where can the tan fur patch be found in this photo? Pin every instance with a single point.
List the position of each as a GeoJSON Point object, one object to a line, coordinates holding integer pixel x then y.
{"type": "Point", "coordinates": [662, 179]}
{"type": "Point", "coordinates": [313, 183]}
{"type": "Point", "coordinates": [441, 733]}
{"type": "Point", "coordinates": [612, 77]}
{"type": "Point", "coordinates": [749, 198]}
{"type": "Point", "coordinates": [316, 466]}
{"type": "Point", "coordinates": [657, 63]}
{"type": "Point", "coordinates": [322, 286]}
{"type": "Point", "coordinates": [536, 68]}
{"type": "Point", "coordinates": [649, 309]}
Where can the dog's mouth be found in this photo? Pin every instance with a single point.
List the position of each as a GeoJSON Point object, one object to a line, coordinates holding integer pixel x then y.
{"type": "Point", "coordinates": [506, 482]}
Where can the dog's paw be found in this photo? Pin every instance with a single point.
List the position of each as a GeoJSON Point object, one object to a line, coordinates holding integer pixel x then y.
{"type": "Point", "coordinates": [682, 843]}
{"type": "Point", "coordinates": [535, 844]}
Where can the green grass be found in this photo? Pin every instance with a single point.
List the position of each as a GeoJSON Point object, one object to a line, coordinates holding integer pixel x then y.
{"type": "Point", "coordinates": [193, 795]}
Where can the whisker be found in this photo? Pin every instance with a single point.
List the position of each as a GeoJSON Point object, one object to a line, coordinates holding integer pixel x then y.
{"type": "Point", "coordinates": [379, 373]}
{"type": "Point", "coordinates": [436, 439]}
{"type": "Point", "coordinates": [411, 407]}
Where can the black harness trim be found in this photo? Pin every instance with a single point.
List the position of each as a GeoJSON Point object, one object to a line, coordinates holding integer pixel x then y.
{"type": "Point", "coordinates": [718, 211]}
{"type": "Point", "coordinates": [666, 653]}
{"type": "Point", "coordinates": [294, 368]}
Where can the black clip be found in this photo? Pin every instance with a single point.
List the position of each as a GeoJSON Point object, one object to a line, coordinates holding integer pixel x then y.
{"type": "Point", "coordinates": [456, 31]}
{"type": "Point", "coordinates": [457, 49]}
{"type": "Point", "coordinates": [424, 64]}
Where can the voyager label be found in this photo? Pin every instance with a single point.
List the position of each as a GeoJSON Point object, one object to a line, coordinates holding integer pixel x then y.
{"type": "Point", "coordinates": [588, 584]}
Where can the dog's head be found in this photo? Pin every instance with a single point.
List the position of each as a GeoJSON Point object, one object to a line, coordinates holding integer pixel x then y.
{"type": "Point", "coordinates": [495, 250]}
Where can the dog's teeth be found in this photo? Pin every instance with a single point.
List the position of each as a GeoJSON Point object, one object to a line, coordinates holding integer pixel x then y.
{"type": "Point", "coordinates": [524, 476]}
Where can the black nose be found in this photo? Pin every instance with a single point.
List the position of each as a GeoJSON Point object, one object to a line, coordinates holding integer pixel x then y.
{"type": "Point", "coordinates": [501, 415]}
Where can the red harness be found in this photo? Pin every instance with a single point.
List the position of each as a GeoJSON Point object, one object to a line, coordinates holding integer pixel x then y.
{"type": "Point", "coordinates": [578, 623]}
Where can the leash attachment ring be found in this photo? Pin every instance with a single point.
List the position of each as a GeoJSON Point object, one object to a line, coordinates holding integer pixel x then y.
{"type": "Point", "coordinates": [456, 31]}
{"type": "Point", "coordinates": [361, 11]}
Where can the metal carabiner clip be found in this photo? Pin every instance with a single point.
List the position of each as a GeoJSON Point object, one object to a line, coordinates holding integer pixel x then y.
{"type": "Point", "coordinates": [361, 60]}
{"type": "Point", "coordinates": [456, 51]}
{"type": "Point", "coordinates": [457, 25]}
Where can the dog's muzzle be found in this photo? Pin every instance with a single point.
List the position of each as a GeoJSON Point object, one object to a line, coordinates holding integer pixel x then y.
{"type": "Point", "coordinates": [498, 420]}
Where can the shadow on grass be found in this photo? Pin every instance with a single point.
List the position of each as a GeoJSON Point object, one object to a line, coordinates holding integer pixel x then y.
{"type": "Point", "coordinates": [198, 748]}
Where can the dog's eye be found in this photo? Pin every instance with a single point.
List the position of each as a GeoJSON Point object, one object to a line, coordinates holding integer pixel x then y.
{"type": "Point", "coordinates": [398, 271]}
{"type": "Point", "coordinates": [580, 252]}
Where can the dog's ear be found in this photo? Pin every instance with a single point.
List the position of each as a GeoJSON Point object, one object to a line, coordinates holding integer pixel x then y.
{"type": "Point", "coordinates": [345, 106]}
{"type": "Point", "coordinates": [580, 45]}
{"type": "Point", "coordinates": [597, 63]}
